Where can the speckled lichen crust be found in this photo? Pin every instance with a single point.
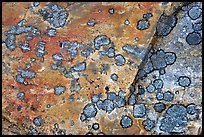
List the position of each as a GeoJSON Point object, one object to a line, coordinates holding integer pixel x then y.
{"type": "Point", "coordinates": [101, 68]}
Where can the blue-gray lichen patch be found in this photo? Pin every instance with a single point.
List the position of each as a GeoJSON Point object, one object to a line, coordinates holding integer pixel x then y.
{"type": "Point", "coordinates": [58, 90]}
{"type": "Point", "coordinates": [21, 95]}
{"type": "Point", "coordinates": [159, 107]}
{"type": "Point", "coordinates": [100, 41]}
{"type": "Point", "coordinates": [51, 32]}
{"type": "Point", "coordinates": [87, 52]}
{"type": "Point", "coordinates": [25, 47]}
{"type": "Point", "coordinates": [114, 77]}
{"type": "Point", "coordinates": [194, 38]}
{"type": "Point", "coordinates": [143, 24]}
{"type": "Point", "coordinates": [111, 10]}
{"type": "Point", "coordinates": [55, 15]}
{"type": "Point", "coordinates": [158, 60]}
{"type": "Point", "coordinates": [95, 126]}
{"type": "Point", "coordinates": [38, 121]}
{"type": "Point", "coordinates": [168, 96]}
{"type": "Point", "coordinates": [28, 74]}
{"type": "Point", "coordinates": [90, 110]}
{"type": "Point", "coordinates": [95, 98]}
{"type": "Point", "coordinates": [191, 109]}
{"type": "Point", "coordinates": [175, 118]}
{"type": "Point", "coordinates": [20, 79]}
{"type": "Point", "coordinates": [148, 124]}
{"type": "Point", "coordinates": [119, 60]}
{"type": "Point", "coordinates": [126, 121]}
{"type": "Point", "coordinates": [91, 22]}
{"type": "Point", "coordinates": [139, 110]}
{"type": "Point", "coordinates": [166, 24]}
{"type": "Point", "coordinates": [150, 88]}
{"type": "Point", "coordinates": [57, 57]}
{"type": "Point", "coordinates": [194, 13]}
{"type": "Point", "coordinates": [184, 81]}
{"type": "Point", "coordinates": [78, 67]}
{"type": "Point", "coordinates": [132, 100]}
{"type": "Point", "coordinates": [158, 83]}
{"type": "Point", "coordinates": [147, 15]}
{"type": "Point", "coordinates": [10, 42]}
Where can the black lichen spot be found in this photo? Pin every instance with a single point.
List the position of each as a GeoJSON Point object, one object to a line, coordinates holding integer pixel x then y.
{"type": "Point", "coordinates": [194, 38]}
{"type": "Point", "coordinates": [165, 24]}
{"type": "Point", "coordinates": [107, 88]}
{"type": "Point", "coordinates": [143, 24]}
{"type": "Point", "coordinates": [19, 108]}
{"type": "Point", "coordinates": [126, 121]}
{"type": "Point", "coordinates": [184, 81]}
